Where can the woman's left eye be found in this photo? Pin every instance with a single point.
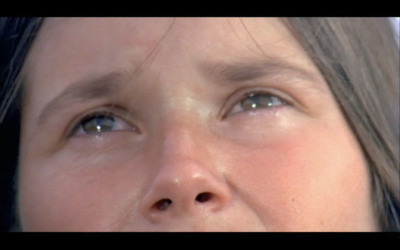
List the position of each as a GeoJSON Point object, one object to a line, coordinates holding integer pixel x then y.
{"type": "Point", "coordinates": [255, 101]}
{"type": "Point", "coordinates": [100, 123]}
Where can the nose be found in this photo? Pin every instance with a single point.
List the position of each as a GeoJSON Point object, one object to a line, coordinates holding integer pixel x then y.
{"type": "Point", "coordinates": [186, 181]}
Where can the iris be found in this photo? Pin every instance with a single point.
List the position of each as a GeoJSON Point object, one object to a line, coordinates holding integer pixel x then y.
{"type": "Point", "coordinates": [256, 101]}
{"type": "Point", "coordinates": [97, 124]}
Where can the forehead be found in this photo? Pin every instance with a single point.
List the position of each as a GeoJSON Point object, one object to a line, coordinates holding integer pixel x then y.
{"type": "Point", "coordinates": [93, 40]}
{"type": "Point", "coordinates": [69, 49]}
{"type": "Point", "coordinates": [146, 31]}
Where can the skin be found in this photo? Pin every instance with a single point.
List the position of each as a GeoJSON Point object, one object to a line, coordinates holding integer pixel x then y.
{"type": "Point", "coordinates": [295, 166]}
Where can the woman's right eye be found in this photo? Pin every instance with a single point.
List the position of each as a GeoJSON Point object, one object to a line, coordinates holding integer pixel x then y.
{"type": "Point", "coordinates": [101, 123]}
{"type": "Point", "coordinates": [98, 124]}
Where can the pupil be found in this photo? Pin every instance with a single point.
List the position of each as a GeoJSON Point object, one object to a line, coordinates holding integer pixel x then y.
{"type": "Point", "coordinates": [99, 123]}
{"type": "Point", "coordinates": [256, 101]}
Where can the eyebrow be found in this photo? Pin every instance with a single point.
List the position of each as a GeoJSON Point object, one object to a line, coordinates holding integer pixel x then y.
{"type": "Point", "coordinates": [245, 71]}
{"type": "Point", "coordinates": [83, 90]}
{"type": "Point", "coordinates": [110, 84]}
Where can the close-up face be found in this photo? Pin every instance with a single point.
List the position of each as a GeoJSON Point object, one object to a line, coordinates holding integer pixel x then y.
{"type": "Point", "coordinates": [186, 124]}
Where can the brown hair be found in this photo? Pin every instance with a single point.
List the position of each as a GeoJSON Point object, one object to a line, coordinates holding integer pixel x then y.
{"type": "Point", "coordinates": [360, 62]}
{"type": "Point", "coordinates": [16, 35]}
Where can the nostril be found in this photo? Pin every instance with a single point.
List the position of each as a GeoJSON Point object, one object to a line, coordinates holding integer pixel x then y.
{"type": "Point", "coordinates": [162, 204]}
{"type": "Point", "coordinates": [203, 197]}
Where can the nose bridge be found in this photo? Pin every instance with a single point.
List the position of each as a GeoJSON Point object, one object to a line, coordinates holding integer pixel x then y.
{"type": "Point", "coordinates": [182, 139]}
{"type": "Point", "coordinates": [183, 128]}
{"type": "Point", "coordinates": [184, 157]}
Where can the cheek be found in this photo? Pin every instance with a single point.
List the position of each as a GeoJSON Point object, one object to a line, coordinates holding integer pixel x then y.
{"type": "Point", "coordinates": [84, 195]}
{"type": "Point", "coordinates": [311, 178]}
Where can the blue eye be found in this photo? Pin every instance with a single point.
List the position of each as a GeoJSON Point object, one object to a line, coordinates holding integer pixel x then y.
{"type": "Point", "coordinates": [97, 124]}
{"type": "Point", "coordinates": [254, 101]}
{"type": "Point", "coordinates": [100, 123]}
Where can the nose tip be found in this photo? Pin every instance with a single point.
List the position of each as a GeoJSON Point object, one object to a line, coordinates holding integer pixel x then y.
{"type": "Point", "coordinates": [188, 195]}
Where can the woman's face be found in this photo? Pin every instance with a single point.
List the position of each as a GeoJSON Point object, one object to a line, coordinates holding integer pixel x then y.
{"type": "Point", "coordinates": [184, 124]}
